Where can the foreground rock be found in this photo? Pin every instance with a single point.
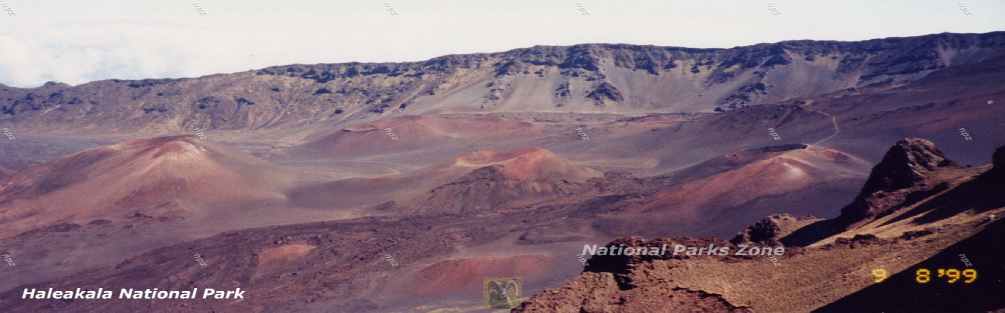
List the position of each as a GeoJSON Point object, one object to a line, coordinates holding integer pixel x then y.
{"type": "Point", "coordinates": [838, 272]}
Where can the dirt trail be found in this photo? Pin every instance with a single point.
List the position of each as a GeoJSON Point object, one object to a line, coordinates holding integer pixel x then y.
{"type": "Point", "coordinates": [834, 121]}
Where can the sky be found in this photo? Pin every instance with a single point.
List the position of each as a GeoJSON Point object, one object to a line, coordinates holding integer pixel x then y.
{"type": "Point", "coordinates": [75, 41]}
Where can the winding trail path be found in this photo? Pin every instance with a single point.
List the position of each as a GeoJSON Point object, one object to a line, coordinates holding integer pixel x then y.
{"type": "Point", "coordinates": [834, 121]}
{"type": "Point", "coordinates": [837, 128]}
{"type": "Point", "coordinates": [807, 106]}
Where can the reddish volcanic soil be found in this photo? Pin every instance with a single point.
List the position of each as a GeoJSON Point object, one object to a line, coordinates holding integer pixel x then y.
{"type": "Point", "coordinates": [497, 181]}
{"type": "Point", "coordinates": [932, 215]}
{"type": "Point", "coordinates": [528, 164]}
{"type": "Point", "coordinates": [167, 177]}
{"type": "Point", "coordinates": [408, 134]}
{"type": "Point", "coordinates": [711, 197]}
{"type": "Point", "coordinates": [120, 200]}
{"type": "Point", "coordinates": [273, 257]}
{"type": "Point", "coordinates": [400, 187]}
{"type": "Point", "coordinates": [455, 277]}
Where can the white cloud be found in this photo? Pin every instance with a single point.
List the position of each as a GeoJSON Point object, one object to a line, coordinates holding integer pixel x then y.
{"type": "Point", "coordinates": [75, 54]}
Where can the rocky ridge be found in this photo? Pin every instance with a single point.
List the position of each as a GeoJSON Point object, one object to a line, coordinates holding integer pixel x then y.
{"type": "Point", "coordinates": [755, 283]}
{"type": "Point", "coordinates": [613, 78]}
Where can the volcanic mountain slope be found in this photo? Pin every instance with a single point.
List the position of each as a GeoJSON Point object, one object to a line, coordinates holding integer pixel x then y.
{"type": "Point", "coordinates": [581, 78]}
{"type": "Point", "coordinates": [396, 130]}
{"type": "Point", "coordinates": [434, 257]}
{"type": "Point", "coordinates": [958, 218]}
{"type": "Point", "coordinates": [103, 204]}
{"type": "Point", "coordinates": [860, 120]}
{"type": "Point", "coordinates": [649, 145]}
{"type": "Point", "coordinates": [487, 181]}
{"type": "Point", "coordinates": [959, 108]}
{"type": "Point", "coordinates": [498, 180]}
{"type": "Point", "coordinates": [645, 146]}
{"type": "Point", "coordinates": [402, 134]}
{"type": "Point", "coordinates": [396, 263]}
{"type": "Point", "coordinates": [391, 261]}
{"type": "Point", "coordinates": [478, 181]}
{"type": "Point", "coordinates": [905, 174]}
{"type": "Point", "coordinates": [718, 196]}
{"type": "Point", "coordinates": [362, 265]}
{"type": "Point", "coordinates": [166, 177]}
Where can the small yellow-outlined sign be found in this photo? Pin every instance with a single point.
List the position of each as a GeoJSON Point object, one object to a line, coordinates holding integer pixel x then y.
{"type": "Point", "coordinates": [502, 292]}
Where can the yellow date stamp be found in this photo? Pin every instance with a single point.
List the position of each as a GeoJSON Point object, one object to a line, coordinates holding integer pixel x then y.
{"type": "Point", "coordinates": [950, 275]}
{"type": "Point", "coordinates": [925, 276]}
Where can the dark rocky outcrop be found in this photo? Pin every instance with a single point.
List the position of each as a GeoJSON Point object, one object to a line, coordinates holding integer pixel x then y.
{"type": "Point", "coordinates": [771, 229]}
{"type": "Point", "coordinates": [723, 79]}
{"type": "Point", "coordinates": [907, 164]}
{"type": "Point", "coordinates": [610, 283]}
{"type": "Point", "coordinates": [606, 92]}
{"type": "Point", "coordinates": [903, 176]}
{"type": "Point", "coordinates": [998, 162]}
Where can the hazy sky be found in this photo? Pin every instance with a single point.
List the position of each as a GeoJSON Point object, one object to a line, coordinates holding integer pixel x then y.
{"type": "Point", "coordinates": [76, 41]}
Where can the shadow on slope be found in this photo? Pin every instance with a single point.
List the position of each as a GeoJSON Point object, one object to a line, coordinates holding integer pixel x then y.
{"type": "Point", "coordinates": [902, 293]}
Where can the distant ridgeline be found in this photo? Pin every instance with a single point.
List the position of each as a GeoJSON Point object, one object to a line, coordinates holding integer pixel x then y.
{"type": "Point", "coordinates": [612, 78]}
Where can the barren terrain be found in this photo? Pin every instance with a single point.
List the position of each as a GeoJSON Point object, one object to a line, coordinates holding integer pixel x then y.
{"type": "Point", "coordinates": [402, 187]}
